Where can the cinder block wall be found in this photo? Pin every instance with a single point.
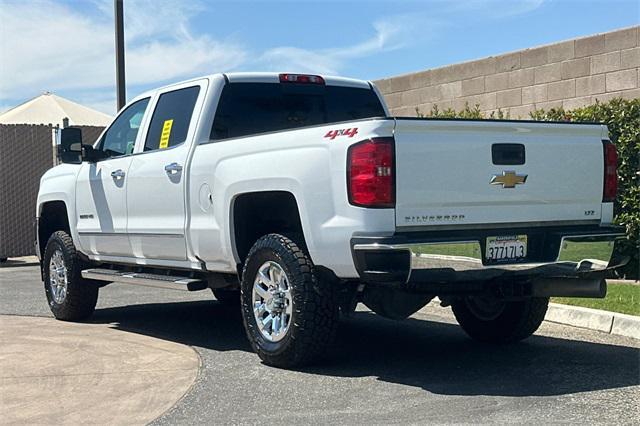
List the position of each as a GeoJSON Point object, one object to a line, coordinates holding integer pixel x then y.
{"type": "Point", "coordinates": [567, 74]}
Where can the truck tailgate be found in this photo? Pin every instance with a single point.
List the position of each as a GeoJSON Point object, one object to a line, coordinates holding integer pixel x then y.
{"type": "Point", "coordinates": [445, 169]}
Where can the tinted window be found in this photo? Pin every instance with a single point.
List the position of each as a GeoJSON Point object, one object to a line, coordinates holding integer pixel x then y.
{"type": "Point", "coordinates": [249, 108]}
{"type": "Point", "coordinates": [170, 122]}
{"type": "Point", "coordinates": [120, 138]}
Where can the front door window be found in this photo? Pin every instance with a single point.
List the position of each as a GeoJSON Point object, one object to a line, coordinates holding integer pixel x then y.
{"type": "Point", "coordinates": [120, 138]}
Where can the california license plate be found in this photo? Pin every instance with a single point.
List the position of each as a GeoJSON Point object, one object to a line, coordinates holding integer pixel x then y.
{"type": "Point", "coordinates": [506, 247]}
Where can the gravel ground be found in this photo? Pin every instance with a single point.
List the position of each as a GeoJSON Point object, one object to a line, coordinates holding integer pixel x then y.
{"type": "Point", "coordinates": [420, 370]}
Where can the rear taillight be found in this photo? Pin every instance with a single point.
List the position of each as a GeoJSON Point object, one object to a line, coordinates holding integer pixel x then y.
{"type": "Point", "coordinates": [301, 78]}
{"type": "Point", "coordinates": [371, 173]}
{"type": "Point", "coordinates": [610, 172]}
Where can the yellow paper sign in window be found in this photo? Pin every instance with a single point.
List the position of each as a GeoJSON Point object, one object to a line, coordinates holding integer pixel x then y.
{"type": "Point", "coordinates": [166, 132]}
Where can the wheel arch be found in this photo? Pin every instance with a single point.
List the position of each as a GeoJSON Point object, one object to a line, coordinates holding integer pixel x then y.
{"type": "Point", "coordinates": [254, 214]}
{"type": "Point", "coordinates": [52, 216]}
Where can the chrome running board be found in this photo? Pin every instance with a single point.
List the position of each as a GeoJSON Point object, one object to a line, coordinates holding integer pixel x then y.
{"type": "Point", "coordinates": [145, 279]}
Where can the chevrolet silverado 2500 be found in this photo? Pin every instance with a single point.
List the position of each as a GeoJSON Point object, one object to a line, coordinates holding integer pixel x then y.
{"type": "Point", "coordinates": [297, 196]}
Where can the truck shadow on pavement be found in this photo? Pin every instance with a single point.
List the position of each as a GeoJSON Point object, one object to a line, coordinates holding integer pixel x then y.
{"type": "Point", "coordinates": [434, 356]}
{"type": "Point", "coordinates": [21, 261]}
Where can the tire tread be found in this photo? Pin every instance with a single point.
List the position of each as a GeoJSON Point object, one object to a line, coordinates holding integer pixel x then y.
{"type": "Point", "coordinates": [519, 321]}
{"type": "Point", "coordinates": [316, 310]}
{"type": "Point", "coordinates": [82, 295]}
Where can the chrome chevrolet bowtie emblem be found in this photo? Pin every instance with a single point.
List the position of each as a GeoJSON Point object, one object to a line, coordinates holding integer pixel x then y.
{"type": "Point", "coordinates": [508, 179]}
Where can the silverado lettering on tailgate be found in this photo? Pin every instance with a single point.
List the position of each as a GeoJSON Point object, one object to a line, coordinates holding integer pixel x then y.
{"type": "Point", "coordinates": [433, 218]}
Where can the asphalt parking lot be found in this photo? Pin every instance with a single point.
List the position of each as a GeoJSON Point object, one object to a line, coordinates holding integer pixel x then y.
{"type": "Point", "coordinates": [420, 370]}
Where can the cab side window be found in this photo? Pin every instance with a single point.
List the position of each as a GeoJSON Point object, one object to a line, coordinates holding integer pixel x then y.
{"type": "Point", "coordinates": [120, 138]}
{"type": "Point", "coordinates": [170, 121]}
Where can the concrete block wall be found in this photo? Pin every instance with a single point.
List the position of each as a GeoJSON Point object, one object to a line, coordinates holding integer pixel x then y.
{"type": "Point", "coordinates": [567, 74]}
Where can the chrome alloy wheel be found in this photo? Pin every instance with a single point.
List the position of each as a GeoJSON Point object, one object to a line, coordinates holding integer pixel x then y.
{"type": "Point", "coordinates": [272, 301]}
{"type": "Point", "coordinates": [58, 277]}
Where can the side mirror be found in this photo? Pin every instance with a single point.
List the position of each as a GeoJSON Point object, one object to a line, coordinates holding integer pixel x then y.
{"type": "Point", "coordinates": [91, 155]}
{"type": "Point", "coordinates": [70, 147]}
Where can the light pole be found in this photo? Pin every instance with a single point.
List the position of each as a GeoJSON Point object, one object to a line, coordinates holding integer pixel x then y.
{"type": "Point", "coordinates": [120, 83]}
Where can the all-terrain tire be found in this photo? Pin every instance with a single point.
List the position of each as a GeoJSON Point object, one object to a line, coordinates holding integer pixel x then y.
{"type": "Point", "coordinates": [227, 296]}
{"type": "Point", "coordinates": [314, 319]}
{"type": "Point", "coordinates": [517, 321]}
{"type": "Point", "coordinates": [81, 295]}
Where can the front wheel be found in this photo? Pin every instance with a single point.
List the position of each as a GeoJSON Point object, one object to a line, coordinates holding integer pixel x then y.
{"type": "Point", "coordinates": [70, 297]}
{"type": "Point", "coordinates": [290, 315]}
{"type": "Point", "coordinates": [488, 319]}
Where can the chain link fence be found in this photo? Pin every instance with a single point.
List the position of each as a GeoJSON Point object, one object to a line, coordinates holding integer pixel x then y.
{"type": "Point", "coordinates": [26, 152]}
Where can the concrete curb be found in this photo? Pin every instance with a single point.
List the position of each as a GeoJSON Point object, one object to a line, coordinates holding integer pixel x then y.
{"type": "Point", "coordinates": [591, 319]}
{"type": "Point", "coordinates": [595, 319]}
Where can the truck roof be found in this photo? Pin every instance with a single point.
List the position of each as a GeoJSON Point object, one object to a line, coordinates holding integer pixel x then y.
{"type": "Point", "coordinates": [265, 77]}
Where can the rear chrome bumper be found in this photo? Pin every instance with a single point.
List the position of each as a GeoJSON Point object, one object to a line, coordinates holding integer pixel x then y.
{"type": "Point", "coordinates": [439, 257]}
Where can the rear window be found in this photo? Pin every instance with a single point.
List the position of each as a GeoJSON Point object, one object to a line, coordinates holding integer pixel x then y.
{"type": "Point", "coordinates": [170, 121]}
{"type": "Point", "coordinates": [250, 108]}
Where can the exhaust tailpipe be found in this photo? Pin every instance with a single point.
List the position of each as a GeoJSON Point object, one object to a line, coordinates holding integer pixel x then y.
{"type": "Point", "coordinates": [569, 287]}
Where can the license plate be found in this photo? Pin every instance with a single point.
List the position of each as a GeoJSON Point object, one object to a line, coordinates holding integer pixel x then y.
{"type": "Point", "coordinates": [508, 247]}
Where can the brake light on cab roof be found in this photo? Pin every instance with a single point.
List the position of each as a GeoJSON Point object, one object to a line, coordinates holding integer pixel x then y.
{"type": "Point", "coordinates": [301, 78]}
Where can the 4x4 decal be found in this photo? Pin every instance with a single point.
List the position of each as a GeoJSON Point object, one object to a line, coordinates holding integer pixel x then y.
{"type": "Point", "coordinates": [332, 134]}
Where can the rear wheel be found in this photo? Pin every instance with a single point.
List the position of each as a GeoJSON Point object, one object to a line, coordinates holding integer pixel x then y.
{"type": "Point", "coordinates": [488, 319]}
{"type": "Point", "coordinates": [70, 297]}
{"type": "Point", "coordinates": [290, 315]}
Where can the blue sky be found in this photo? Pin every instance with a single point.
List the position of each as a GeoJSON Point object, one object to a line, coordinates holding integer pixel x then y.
{"type": "Point", "coordinates": [66, 46]}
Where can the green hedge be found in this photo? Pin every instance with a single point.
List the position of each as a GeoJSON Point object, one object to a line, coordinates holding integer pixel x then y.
{"type": "Point", "coordinates": [623, 119]}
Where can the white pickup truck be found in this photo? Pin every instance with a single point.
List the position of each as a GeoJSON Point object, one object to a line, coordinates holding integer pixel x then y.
{"type": "Point", "coordinates": [297, 196]}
